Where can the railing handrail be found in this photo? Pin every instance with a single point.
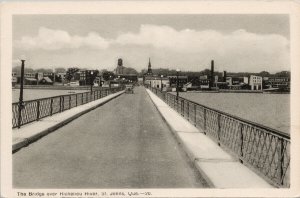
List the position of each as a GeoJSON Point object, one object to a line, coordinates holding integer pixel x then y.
{"type": "Point", "coordinates": [16, 103]}
{"type": "Point", "coordinates": [66, 101]}
{"type": "Point", "coordinates": [269, 130]}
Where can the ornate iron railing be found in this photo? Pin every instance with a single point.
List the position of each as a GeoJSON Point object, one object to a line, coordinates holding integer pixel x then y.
{"type": "Point", "coordinates": [33, 110]}
{"type": "Point", "coordinates": [263, 149]}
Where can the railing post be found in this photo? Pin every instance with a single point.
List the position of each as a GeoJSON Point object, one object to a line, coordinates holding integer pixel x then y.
{"type": "Point", "coordinates": [182, 108]}
{"type": "Point", "coordinates": [188, 111]}
{"type": "Point", "coordinates": [204, 120]}
{"type": "Point", "coordinates": [63, 104]}
{"type": "Point", "coordinates": [219, 129]}
{"type": "Point", "coordinates": [38, 110]}
{"type": "Point", "coordinates": [195, 112]}
{"type": "Point", "coordinates": [69, 101]}
{"type": "Point", "coordinates": [175, 101]}
{"type": "Point", "coordinates": [81, 98]}
{"type": "Point", "coordinates": [242, 142]}
{"type": "Point", "coordinates": [280, 161]}
{"type": "Point", "coordinates": [51, 106]}
{"type": "Point", "coordinates": [76, 100]}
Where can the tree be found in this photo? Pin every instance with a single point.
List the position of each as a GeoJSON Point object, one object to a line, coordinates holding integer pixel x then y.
{"type": "Point", "coordinates": [264, 74]}
{"type": "Point", "coordinates": [108, 75]}
{"type": "Point", "coordinates": [71, 73]}
{"type": "Point", "coordinates": [42, 70]}
{"type": "Point", "coordinates": [60, 70]}
{"type": "Point", "coordinates": [129, 70]}
{"type": "Point", "coordinates": [17, 69]}
{"type": "Point", "coordinates": [283, 74]}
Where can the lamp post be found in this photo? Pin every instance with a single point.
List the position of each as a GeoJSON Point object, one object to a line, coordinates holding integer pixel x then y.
{"type": "Point", "coordinates": [177, 83]}
{"type": "Point", "coordinates": [161, 85]}
{"type": "Point", "coordinates": [109, 82]}
{"type": "Point", "coordinates": [92, 80]}
{"type": "Point", "coordinates": [21, 103]}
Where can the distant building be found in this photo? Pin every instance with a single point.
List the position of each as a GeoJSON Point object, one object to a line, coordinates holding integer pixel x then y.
{"type": "Point", "coordinates": [157, 81]}
{"type": "Point", "coordinates": [84, 76]}
{"type": "Point", "coordinates": [255, 82]}
{"type": "Point", "coordinates": [204, 82]}
{"type": "Point", "coordinates": [132, 78]}
{"type": "Point", "coordinates": [278, 82]}
{"type": "Point", "coordinates": [14, 79]}
{"type": "Point", "coordinates": [120, 68]}
{"type": "Point", "coordinates": [182, 80]}
{"type": "Point", "coordinates": [149, 71]}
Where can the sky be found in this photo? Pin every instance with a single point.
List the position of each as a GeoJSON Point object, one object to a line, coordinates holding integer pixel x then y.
{"type": "Point", "coordinates": [237, 43]}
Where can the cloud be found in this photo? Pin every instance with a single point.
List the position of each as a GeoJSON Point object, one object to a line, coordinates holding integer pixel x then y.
{"type": "Point", "coordinates": [49, 39]}
{"type": "Point", "coordinates": [246, 50]}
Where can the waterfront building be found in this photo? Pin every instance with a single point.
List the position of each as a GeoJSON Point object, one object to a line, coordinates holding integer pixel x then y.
{"type": "Point", "coordinates": [237, 82]}
{"type": "Point", "coordinates": [204, 82]}
{"type": "Point", "coordinates": [255, 82]}
{"type": "Point", "coordinates": [45, 81]}
{"type": "Point", "coordinates": [61, 76]}
{"type": "Point", "coordinates": [30, 75]}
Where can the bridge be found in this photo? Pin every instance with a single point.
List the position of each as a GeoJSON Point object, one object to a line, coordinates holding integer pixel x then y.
{"type": "Point", "coordinates": [149, 139]}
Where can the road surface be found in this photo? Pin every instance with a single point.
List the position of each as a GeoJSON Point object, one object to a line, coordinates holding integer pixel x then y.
{"type": "Point", "coordinates": [122, 144]}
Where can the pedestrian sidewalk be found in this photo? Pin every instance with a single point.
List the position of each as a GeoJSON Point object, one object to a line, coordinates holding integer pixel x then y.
{"type": "Point", "coordinates": [219, 168]}
{"type": "Point", "coordinates": [35, 130]}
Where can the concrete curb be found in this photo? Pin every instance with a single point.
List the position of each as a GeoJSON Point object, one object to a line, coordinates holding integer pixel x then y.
{"type": "Point", "coordinates": [187, 151]}
{"type": "Point", "coordinates": [26, 141]}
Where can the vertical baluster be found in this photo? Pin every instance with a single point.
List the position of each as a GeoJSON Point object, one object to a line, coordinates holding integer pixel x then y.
{"type": "Point", "coordinates": [69, 101]}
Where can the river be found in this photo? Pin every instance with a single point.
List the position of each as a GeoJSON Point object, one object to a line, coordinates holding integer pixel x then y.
{"type": "Point", "coordinates": [272, 110]}
{"type": "Point", "coordinates": [31, 94]}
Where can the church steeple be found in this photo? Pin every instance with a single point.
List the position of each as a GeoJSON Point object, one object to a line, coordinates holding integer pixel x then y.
{"type": "Point", "coordinates": [149, 67]}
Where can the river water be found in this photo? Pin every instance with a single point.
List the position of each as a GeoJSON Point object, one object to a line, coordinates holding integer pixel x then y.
{"type": "Point", "coordinates": [272, 110]}
{"type": "Point", "coordinates": [31, 94]}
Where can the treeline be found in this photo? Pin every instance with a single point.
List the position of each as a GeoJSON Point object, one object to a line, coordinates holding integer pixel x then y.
{"type": "Point", "coordinates": [172, 72]}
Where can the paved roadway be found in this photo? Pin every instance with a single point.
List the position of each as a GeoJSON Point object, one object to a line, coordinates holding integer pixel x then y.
{"type": "Point", "coordinates": [122, 144]}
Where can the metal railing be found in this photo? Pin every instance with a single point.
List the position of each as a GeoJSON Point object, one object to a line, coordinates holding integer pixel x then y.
{"type": "Point", "coordinates": [33, 110]}
{"type": "Point", "coordinates": [263, 149]}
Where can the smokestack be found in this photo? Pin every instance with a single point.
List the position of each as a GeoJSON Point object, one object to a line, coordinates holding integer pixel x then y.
{"type": "Point", "coordinates": [212, 73]}
{"type": "Point", "coordinates": [224, 76]}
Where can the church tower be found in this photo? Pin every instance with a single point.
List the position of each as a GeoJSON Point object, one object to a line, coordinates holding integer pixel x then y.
{"type": "Point", "coordinates": [149, 68]}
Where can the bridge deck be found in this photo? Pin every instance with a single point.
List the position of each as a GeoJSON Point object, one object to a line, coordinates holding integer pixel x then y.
{"type": "Point", "coordinates": [122, 144]}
